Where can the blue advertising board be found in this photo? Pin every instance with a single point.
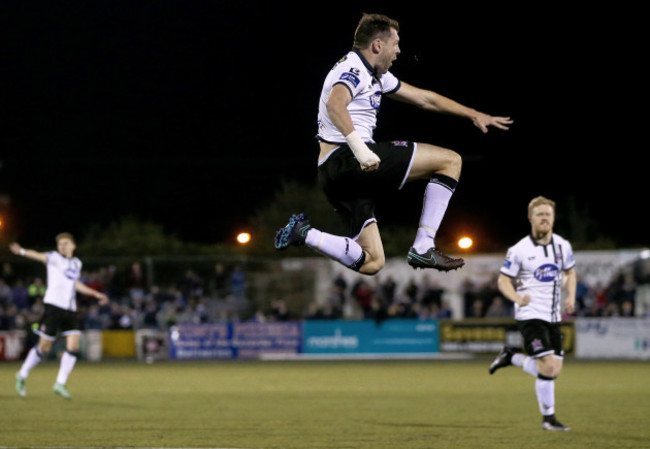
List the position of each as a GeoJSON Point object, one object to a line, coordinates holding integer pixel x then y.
{"type": "Point", "coordinates": [370, 337]}
{"type": "Point", "coordinates": [237, 340]}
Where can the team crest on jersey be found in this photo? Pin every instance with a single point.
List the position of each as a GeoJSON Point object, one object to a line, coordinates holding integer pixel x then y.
{"type": "Point", "coordinates": [375, 100]}
{"type": "Point", "coordinates": [350, 78]}
{"type": "Point", "coordinates": [547, 273]}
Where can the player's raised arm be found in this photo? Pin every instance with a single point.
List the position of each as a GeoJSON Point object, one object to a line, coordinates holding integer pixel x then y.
{"type": "Point", "coordinates": [434, 102]}
{"type": "Point", "coordinates": [29, 253]}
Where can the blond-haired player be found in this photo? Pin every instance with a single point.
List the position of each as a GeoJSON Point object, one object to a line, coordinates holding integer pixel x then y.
{"type": "Point", "coordinates": [541, 265]}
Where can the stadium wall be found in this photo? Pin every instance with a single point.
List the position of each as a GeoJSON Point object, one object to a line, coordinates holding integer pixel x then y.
{"type": "Point", "coordinates": [585, 338]}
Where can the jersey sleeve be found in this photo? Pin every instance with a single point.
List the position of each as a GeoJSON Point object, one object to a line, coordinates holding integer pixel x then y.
{"type": "Point", "coordinates": [350, 76]}
{"type": "Point", "coordinates": [390, 83]}
{"type": "Point", "coordinates": [569, 260]}
{"type": "Point", "coordinates": [511, 264]}
{"type": "Point", "coordinates": [51, 258]}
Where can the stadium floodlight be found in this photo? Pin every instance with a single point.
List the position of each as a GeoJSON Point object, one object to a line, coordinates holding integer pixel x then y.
{"type": "Point", "coordinates": [465, 243]}
{"type": "Point", "coordinates": [243, 238]}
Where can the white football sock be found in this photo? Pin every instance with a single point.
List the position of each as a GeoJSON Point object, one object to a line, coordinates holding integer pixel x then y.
{"type": "Point", "coordinates": [436, 199]}
{"type": "Point", "coordinates": [33, 358]}
{"type": "Point", "coordinates": [545, 390]}
{"type": "Point", "coordinates": [526, 363]}
{"type": "Point", "coordinates": [67, 363]}
{"type": "Point", "coordinates": [342, 249]}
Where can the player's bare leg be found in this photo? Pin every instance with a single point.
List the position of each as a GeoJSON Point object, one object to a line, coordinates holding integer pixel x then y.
{"type": "Point", "coordinates": [370, 242]}
{"type": "Point", "coordinates": [442, 167]}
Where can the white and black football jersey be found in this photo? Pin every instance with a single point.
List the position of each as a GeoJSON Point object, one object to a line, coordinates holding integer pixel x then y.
{"type": "Point", "coordinates": [62, 277]}
{"type": "Point", "coordinates": [537, 270]}
{"type": "Point", "coordinates": [366, 88]}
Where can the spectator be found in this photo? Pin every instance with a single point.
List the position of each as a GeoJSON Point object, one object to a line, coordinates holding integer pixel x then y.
{"type": "Point", "coordinates": [5, 293]}
{"type": "Point", "coordinates": [387, 289]}
{"type": "Point", "coordinates": [219, 281]}
{"type": "Point", "coordinates": [335, 302]}
{"type": "Point", "coordinates": [36, 289]}
{"type": "Point", "coordinates": [8, 274]}
{"type": "Point", "coordinates": [583, 295]}
{"type": "Point", "coordinates": [20, 295]}
{"type": "Point", "coordinates": [279, 310]}
{"type": "Point", "coordinates": [150, 315]}
{"type": "Point", "coordinates": [190, 286]}
{"type": "Point", "coordinates": [93, 319]}
{"type": "Point", "coordinates": [238, 282]}
{"type": "Point", "coordinates": [627, 309]}
{"type": "Point", "coordinates": [411, 292]}
{"type": "Point", "coordinates": [477, 309]}
{"type": "Point", "coordinates": [9, 320]}
{"type": "Point", "coordinates": [431, 292]}
{"type": "Point", "coordinates": [444, 313]}
{"type": "Point", "coordinates": [470, 295]}
{"type": "Point", "coordinates": [136, 282]}
{"type": "Point", "coordinates": [364, 296]}
{"type": "Point", "coordinates": [497, 308]}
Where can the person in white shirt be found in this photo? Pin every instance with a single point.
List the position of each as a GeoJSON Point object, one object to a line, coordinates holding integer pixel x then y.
{"type": "Point", "coordinates": [60, 314]}
{"type": "Point", "coordinates": [354, 170]}
{"type": "Point", "coordinates": [533, 276]}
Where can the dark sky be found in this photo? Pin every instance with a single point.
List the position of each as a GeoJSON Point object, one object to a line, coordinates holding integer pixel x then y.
{"type": "Point", "coordinates": [190, 113]}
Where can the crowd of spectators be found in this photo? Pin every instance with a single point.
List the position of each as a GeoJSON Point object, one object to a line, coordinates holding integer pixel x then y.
{"type": "Point", "coordinates": [218, 296]}
{"type": "Point", "coordinates": [134, 303]}
{"type": "Point", "coordinates": [383, 297]}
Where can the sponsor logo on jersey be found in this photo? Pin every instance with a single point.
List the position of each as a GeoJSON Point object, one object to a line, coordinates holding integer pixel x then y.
{"type": "Point", "coordinates": [507, 263]}
{"type": "Point", "coordinates": [547, 273]}
{"type": "Point", "coordinates": [71, 274]}
{"type": "Point", "coordinates": [350, 78]}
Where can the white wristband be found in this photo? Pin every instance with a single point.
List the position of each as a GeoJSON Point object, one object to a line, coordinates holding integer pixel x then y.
{"type": "Point", "coordinates": [22, 251]}
{"type": "Point", "coordinates": [364, 155]}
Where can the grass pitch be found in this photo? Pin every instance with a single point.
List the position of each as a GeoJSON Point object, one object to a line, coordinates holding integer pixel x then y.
{"type": "Point", "coordinates": [324, 405]}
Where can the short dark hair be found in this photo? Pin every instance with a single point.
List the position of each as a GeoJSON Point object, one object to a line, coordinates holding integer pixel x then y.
{"type": "Point", "coordinates": [371, 26]}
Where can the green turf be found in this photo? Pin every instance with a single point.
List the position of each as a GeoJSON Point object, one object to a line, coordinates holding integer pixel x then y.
{"type": "Point", "coordinates": [328, 405]}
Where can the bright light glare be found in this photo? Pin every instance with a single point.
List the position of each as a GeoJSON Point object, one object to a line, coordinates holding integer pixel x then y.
{"type": "Point", "coordinates": [243, 238]}
{"type": "Point", "coordinates": [465, 243]}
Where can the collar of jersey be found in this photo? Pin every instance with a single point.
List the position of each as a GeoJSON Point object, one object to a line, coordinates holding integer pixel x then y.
{"type": "Point", "coordinates": [370, 68]}
{"type": "Point", "coordinates": [536, 243]}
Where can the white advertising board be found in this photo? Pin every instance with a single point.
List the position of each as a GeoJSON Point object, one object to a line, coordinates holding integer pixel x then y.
{"type": "Point", "coordinates": [613, 338]}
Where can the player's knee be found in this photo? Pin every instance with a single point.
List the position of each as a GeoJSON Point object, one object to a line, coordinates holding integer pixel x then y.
{"type": "Point", "coordinates": [373, 264]}
{"type": "Point", "coordinates": [549, 370]}
{"type": "Point", "coordinates": [448, 163]}
{"type": "Point", "coordinates": [455, 164]}
{"type": "Point", "coordinates": [44, 346]}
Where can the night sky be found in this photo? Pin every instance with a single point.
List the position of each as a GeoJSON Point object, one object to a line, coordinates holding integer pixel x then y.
{"type": "Point", "coordinates": [191, 113]}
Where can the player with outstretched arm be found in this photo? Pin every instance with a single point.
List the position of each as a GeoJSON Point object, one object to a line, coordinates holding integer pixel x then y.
{"type": "Point", "coordinates": [60, 314]}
